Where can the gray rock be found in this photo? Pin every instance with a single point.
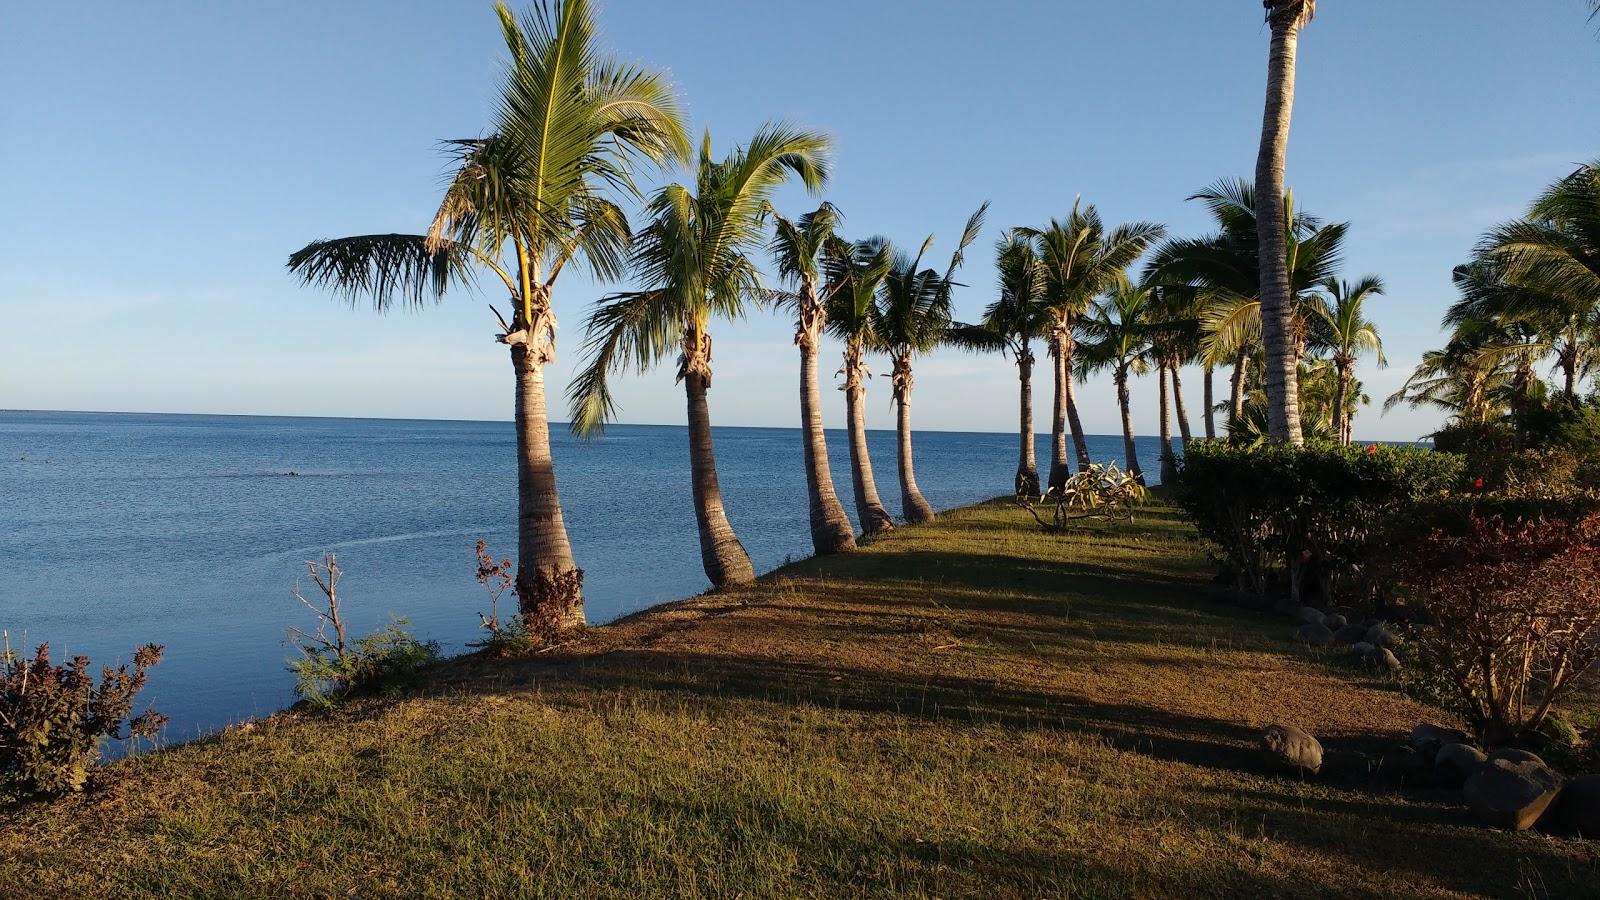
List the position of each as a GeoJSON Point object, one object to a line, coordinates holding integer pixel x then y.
{"type": "Point", "coordinates": [1307, 614]}
{"type": "Point", "coordinates": [1333, 622]}
{"type": "Point", "coordinates": [1577, 810]}
{"type": "Point", "coordinates": [1314, 633]}
{"type": "Point", "coordinates": [1509, 794]}
{"type": "Point", "coordinates": [1379, 635]}
{"type": "Point", "coordinates": [1455, 763]}
{"type": "Point", "coordinates": [1512, 754]}
{"type": "Point", "coordinates": [1351, 634]}
{"type": "Point", "coordinates": [1429, 738]}
{"type": "Point", "coordinates": [1292, 748]}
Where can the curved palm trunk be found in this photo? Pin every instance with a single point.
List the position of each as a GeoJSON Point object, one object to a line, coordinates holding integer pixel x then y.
{"type": "Point", "coordinates": [1340, 422]}
{"type": "Point", "coordinates": [1177, 407]}
{"type": "Point", "coordinates": [913, 506]}
{"type": "Point", "coordinates": [549, 583]}
{"type": "Point", "coordinates": [1282, 376]}
{"type": "Point", "coordinates": [1168, 465]}
{"type": "Point", "coordinates": [720, 551]}
{"type": "Point", "coordinates": [830, 528]}
{"type": "Point", "coordinates": [1059, 471]}
{"type": "Point", "coordinates": [1080, 442]}
{"type": "Point", "coordinates": [869, 509]}
{"type": "Point", "coordinates": [1027, 483]}
{"type": "Point", "coordinates": [1129, 453]}
{"type": "Point", "coordinates": [1211, 406]}
{"type": "Point", "coordinates": [1241, 372]}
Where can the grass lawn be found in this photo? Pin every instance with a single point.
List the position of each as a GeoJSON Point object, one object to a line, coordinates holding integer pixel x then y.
{"type": "Point", "coordinates": [967, 708]}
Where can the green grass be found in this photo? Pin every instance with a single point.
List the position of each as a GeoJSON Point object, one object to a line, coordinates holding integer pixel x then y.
{"type": "Point", "coordinates": [968, 708]}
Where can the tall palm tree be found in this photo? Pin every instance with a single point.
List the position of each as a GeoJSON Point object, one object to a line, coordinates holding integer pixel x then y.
{"type": "Point", "coordinates": [854, 272]}
{"type": "Point", "coordinates": [1285, 18]}
{"type": "Point", "coordinates": [1346, 331]}
{"type": "Point", "coordinates": [1175, 340]}
{"type": "Point", "coordinates": [1117, 334]}
{"type": "Point", "coordinates": [1500, 323]}
{"type": "Point", "coordinates": [523, 203]}
{"type": "Point", "coordinates": [913, 317]}
{"type": "Point", "coordinates": [1009, 326]}
{"type": "Point", "coordinates": [694, 260]}
{"type": "Point", "coordinates": [1081, 261]}
{"type": "Point", "coordinates": [797, 249]}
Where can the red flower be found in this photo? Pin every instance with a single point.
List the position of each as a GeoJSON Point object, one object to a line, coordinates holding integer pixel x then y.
{"type": "Point", "coordinates": [1477, 483]}
{"type": "Point", "coordinates": [1372, 449]}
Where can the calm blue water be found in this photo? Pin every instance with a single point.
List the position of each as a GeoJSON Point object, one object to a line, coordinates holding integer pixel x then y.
{"type": "Point", "coordinates": [117, 530]}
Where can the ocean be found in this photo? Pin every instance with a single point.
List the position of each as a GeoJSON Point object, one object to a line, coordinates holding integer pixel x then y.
{"type": "Point", "coordinates": [189, 530]}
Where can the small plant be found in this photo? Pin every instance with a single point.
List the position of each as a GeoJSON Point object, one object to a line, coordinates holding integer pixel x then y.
{"type": "Point", "coordinates": [331, 668]}
{"type": "Point", "coordinates": [509, 637]}
{"type": "Point", "coordinates": [1516, 613]}
{"type": "Point", "coordinates": [53, 718]}
{"type": "Point", "coordinates": [1102, 491]}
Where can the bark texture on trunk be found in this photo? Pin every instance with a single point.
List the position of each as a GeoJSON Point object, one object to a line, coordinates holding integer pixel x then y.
{"type": "Point", "coordinates": [721, 553]}
{"type": "Point", "coordinates": [1340, 391]}
{"type": "Point", "coordinates": [1177, 407]}
{"type": "Point", "coordinates": [549, 583]}
{"type": "Point", "coordinates": [1211, 406]}
{"type": "Point", "coordinates": [830, 527]}
{"type": "Point", "coordinates": [1059, 472]}
{"type": "Point", "coordinates": [869, 509]}
{"type": "Point", "coordinates": [913, 506]}
{"type": "Point", "coordinates": [1168, 461]}
{"type": "Point", "coordinates": [1241, 374]}
{"type": "Point", "coordinates": [1027, 482]}
{"type": "Point", "coordinates": [1282, 382]}
{"type": "Point", "coordinates": [1129, 452]}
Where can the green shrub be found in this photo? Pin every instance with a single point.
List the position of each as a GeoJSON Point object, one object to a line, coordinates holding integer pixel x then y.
{"type": "Point", "coordinates": [1284, 515]}
{"type": "Point", "coordinates": [53, 718]}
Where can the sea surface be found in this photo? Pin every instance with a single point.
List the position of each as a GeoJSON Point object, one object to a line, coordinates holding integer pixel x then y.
{"type": "Point", "coordinates": [189, 531]}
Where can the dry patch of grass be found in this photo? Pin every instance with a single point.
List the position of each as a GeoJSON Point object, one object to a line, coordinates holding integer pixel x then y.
{"type": "Point", "coordinates": [972, 707]}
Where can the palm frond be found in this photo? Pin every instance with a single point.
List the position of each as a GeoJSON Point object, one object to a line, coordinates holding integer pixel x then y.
{"type": "Point", "coordinates": [385, 268]}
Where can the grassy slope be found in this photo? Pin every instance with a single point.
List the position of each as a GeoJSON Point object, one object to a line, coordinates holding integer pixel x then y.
{"type": "Point", "coordinates": [971, 707]}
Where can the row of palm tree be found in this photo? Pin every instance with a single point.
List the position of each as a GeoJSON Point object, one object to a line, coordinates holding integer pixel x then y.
{"type": "Point", "coordinates": [1530, 293]}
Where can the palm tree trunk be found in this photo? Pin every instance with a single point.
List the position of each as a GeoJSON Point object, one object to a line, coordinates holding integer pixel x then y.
{"type": "Point", "coordinates": [1168, 467]}
{"type": "Point", "coordinates": [869, 509]}
{"type": "Point", "coordinates": [1569, 363]}
{"type": "Point", "coordinates": [913, 506]}
{"type": "Point", "coordinates": [723, 556]}
{"type": "Point", "coordinates": [1241, 372]}
{"type": "Point", "coordinates": [1179, 408]}
{"type": "Point", "coordinates": [1211, 406]}
{"type": "Point", "coordinates": [830, 528]}
{"type": "Point", "coordinates": [1340, 390]}
{"type": "Point", "coordinates": [1080, 442]}
{"type": "Point", "coordinates": [1059, 472]}
{"type": "Point", "coordinates": [549, 583]}
{"type": "Point", "coordinates": [1283, 401]}
{"type": "Point", "coordinates": [1027, 467]}
{"type": "Point", "coordinates": [1128, 450]}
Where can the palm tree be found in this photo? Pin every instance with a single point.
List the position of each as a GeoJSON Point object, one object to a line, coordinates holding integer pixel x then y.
{"type": "Point", "coordinates": [1175, 340]}
{"type": "Point", "coordinates": [854, 272]}
{"type": "Point", "coordinates": [523, 203]}
{"type": "Point", "coordinates": [694, 260]}
{"type": "Point", "coordinates": [1501, 323]}
{"type": "Point", "coordinates": [912, 317]}
{"type": "Point", "coordinates": [1118, 333]}
{"type": "Point", "coordinates": [797, 248]}
{"type": "Point", "coordinates": [1285, 18]}
{"type": "Point", "coordinates": [1345, 330]}
{"type": "Point", "coordinates": [1009, 325]}
{"type": "Point", "coordinates": [1081, 261]}
{"type": "Point", "coordinates": [1554, 256]}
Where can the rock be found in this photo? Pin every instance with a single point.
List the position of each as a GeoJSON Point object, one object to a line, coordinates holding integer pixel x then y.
{"type": "Point", "coordinates": [1512, 754]}
{"type": "Point", "coordinates": [1379, 635]}
{"type": "Point", "coordinates": [1577, 810]}
{"type": "Point", "coordinates": [1351, 634]}
{"type": "Point", "coordinates": [1429, 738]}
{"type": "Point", "coordinates": [1455, 763]}
{"type": "Point", "coordinates": [1509, 794]}
{"type": "Point", "coordinates": [1377, 657]}
{"type": "Point", "coordinates": [1291, 748]}
{"type": "Point", "coordinates": [1308, 614]}
{"type": "Point", "coordinates": [1314, 633]}
{"type": "Point", "coordinates": [1334, 622]}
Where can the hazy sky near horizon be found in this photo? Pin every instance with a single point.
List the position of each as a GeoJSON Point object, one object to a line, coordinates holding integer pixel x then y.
{"type": "Point", "coordinates": [162, 160]}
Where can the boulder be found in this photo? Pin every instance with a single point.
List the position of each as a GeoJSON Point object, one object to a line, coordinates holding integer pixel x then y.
{"type": "Point", "coordinates": [1509, 794]}
{"type": "Point", "coordinates": [1292, 748]}
{"type": "Point", "coordinates": [1428, 739]}
{"type": "Point", "coordinates": [1333, 622]}
{"type": "Point", "coordinates": [1512, 754]}
{"type": "Point", "coordinates": [1314, 633]}
{"type": "Point", "coordinates": [1455, 763]}
{"type": "Point", "coordinates": [1379, 635]}
{"type": "Point", "coordinates": [1351, 634]}
{"type": "Point", "coordinates": [1306, 614]}
{"type": "Point", "coordinates": [1577, 810]}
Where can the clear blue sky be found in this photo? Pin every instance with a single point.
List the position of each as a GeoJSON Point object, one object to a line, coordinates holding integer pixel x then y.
{"type": "Point", "coordinates": [162, 159]}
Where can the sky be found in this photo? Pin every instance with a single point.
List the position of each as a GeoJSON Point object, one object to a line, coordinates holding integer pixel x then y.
{"type": "Point", "coordinates": [161, 160]}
